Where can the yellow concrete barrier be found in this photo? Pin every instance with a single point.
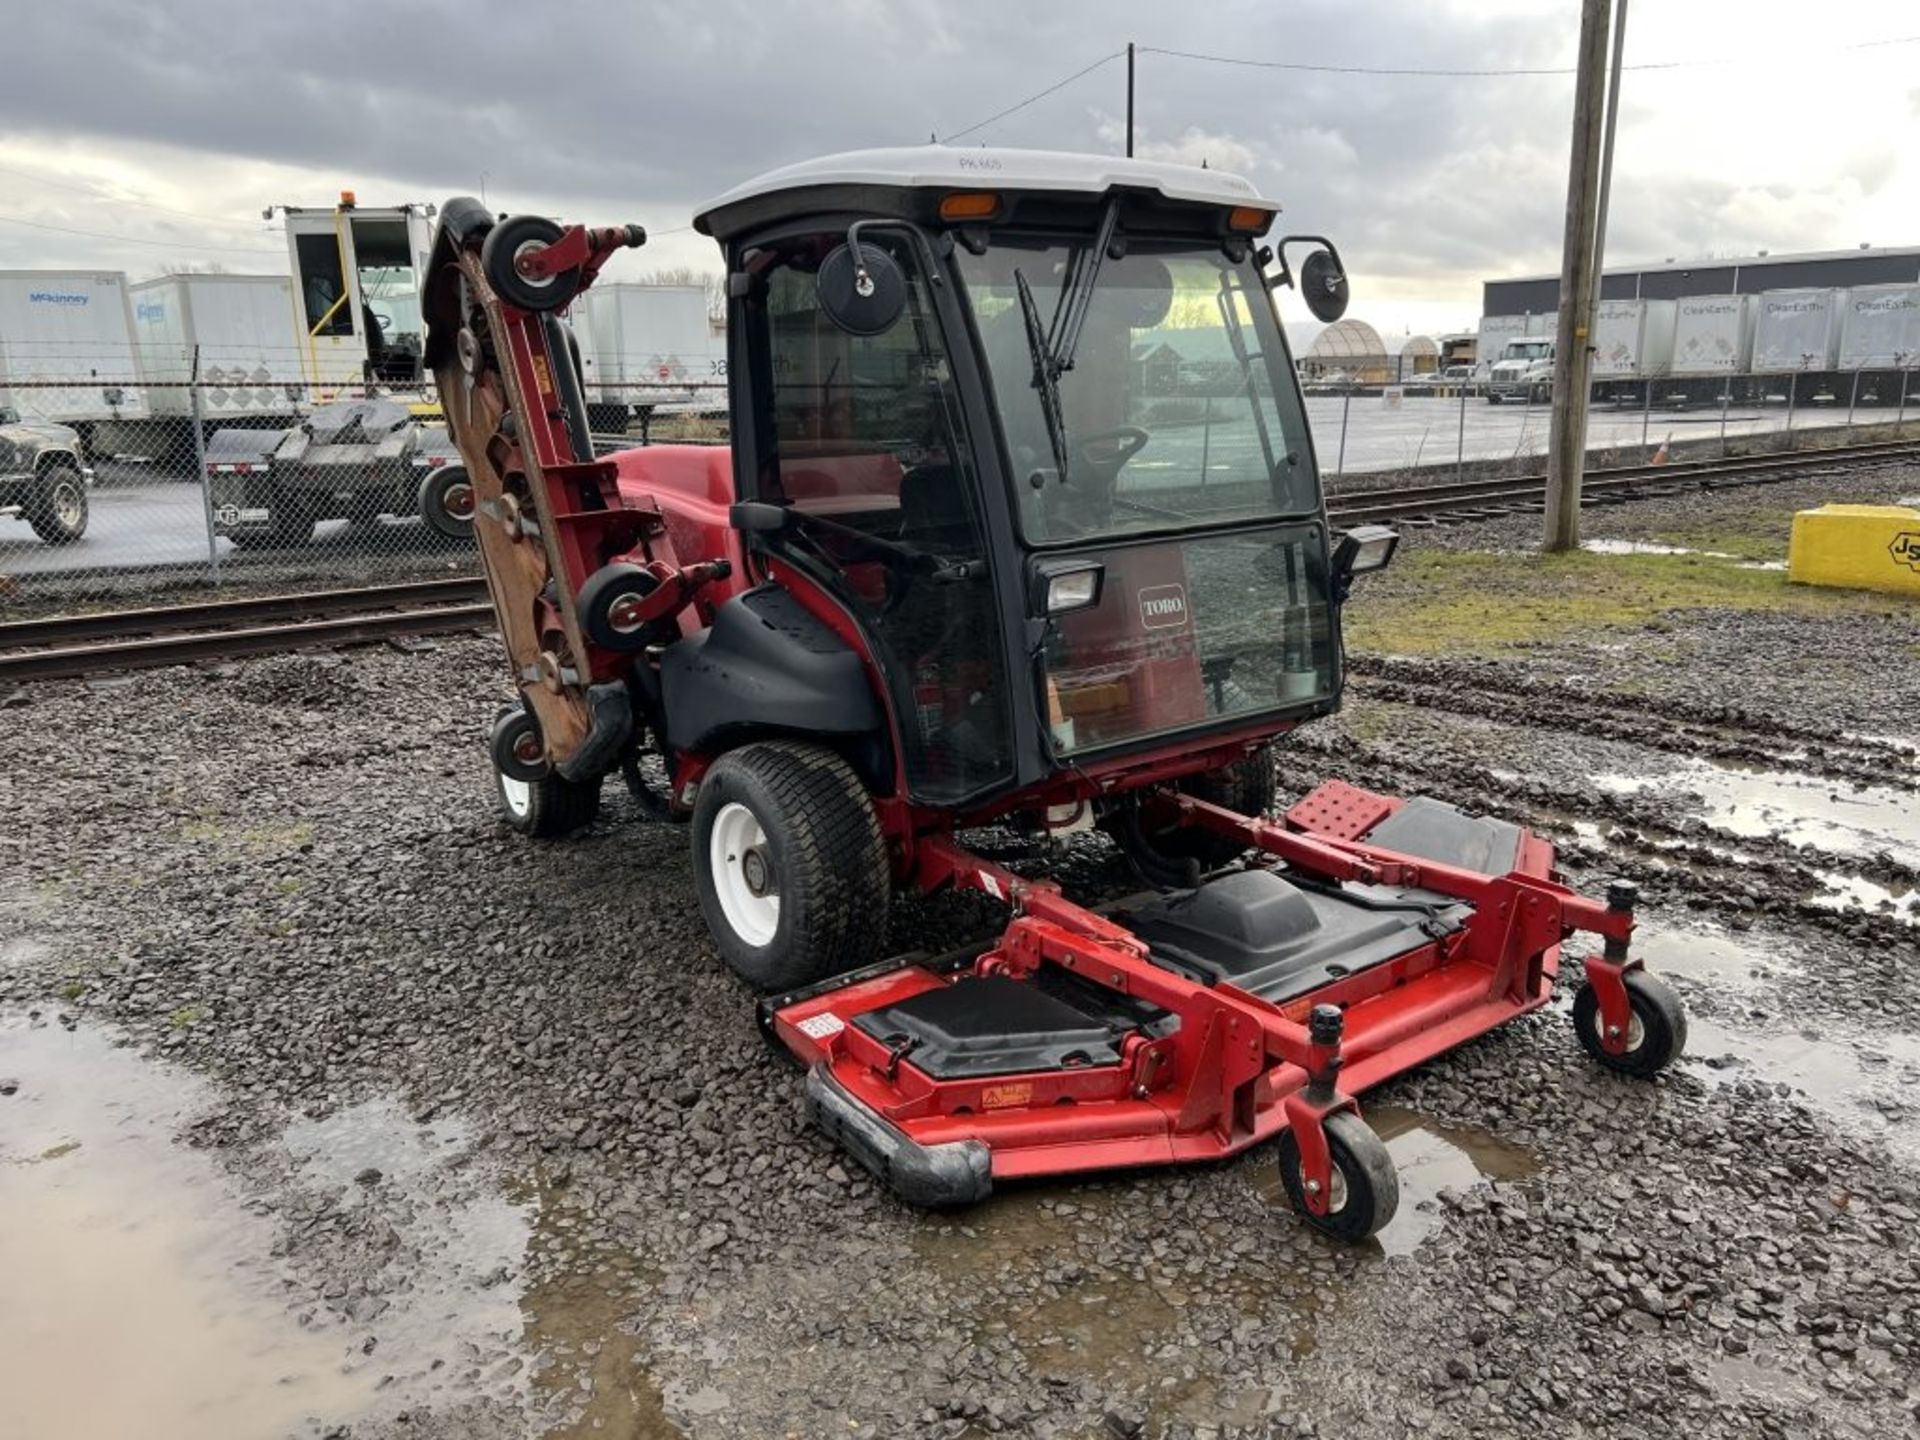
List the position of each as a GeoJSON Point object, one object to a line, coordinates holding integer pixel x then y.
{"type": "Point", "coordinates": [1857, 547]}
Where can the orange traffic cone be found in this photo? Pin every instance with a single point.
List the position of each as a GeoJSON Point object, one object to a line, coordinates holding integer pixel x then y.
{"type": "Point", "coordinates": [1661, 456]}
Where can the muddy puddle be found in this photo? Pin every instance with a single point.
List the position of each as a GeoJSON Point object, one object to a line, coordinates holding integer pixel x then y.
{"type": "Point", "coordinates": [1863, 1082]}
{"type": "Point", "coordinates": [1802, 810]}
{"type": "Point", "coordinates": [359, 1266]}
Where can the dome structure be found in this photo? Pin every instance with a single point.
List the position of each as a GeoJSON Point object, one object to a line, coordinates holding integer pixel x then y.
{"type": "Point", "coordinates": [1350, 349]}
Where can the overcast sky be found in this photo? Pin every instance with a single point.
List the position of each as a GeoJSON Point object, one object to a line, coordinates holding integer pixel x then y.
{"type": "Point", "coordinates": [1775, 135]}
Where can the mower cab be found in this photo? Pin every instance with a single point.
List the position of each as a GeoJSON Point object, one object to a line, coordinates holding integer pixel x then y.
{"type": "Point", "coordinates": [1021, 524]}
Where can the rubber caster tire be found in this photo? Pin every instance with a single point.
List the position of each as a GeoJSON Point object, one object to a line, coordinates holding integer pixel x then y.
{"type": "Point", "coordinates": [505, 243]}
{"type": "Point", "coordinates": [790, 865]}
{"type": "Point", "coordinates": [1657, 1037]}
{"type": "Point", "coordinates": [602, 598]}
{"type": "Point", "coordinates": [446, 503]}
{"type": "Point", "coordinates": [549, 808]}
{"type": "Point", "coordinates": [1366, 1187]}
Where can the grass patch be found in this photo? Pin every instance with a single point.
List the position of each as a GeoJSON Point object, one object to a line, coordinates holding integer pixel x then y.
{"type": "Point", "coordinates": [1477, 602]}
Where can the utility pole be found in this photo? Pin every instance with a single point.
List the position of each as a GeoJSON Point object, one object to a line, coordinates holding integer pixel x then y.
{"type": "Point", "coordinates": [1573, 358]}
{"type": "Point", "coordinates": [1130, 99]}
{"type": "Point", "coordinates": [1606, 174]}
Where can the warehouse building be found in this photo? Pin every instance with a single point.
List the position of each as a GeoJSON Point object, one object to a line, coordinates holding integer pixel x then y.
{"type": "Point", "coordinates": [1749, 275]}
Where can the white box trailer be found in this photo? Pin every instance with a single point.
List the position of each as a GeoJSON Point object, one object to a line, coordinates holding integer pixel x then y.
{"type": "Point", "coordinates": [1881, 328]}
{"type": "Point", "coordinates": [1713, 335]}
{"type": "Point", "coordinates": [1797, 330]}
{"type": "Point", "coordinates": [242, 326]}
{"type": "Point", "coordinates": [646, 346]}
{"type": "Point", "coordinates": [1632, 339]}
{"type": "Point", "coordinates": [66, 347]}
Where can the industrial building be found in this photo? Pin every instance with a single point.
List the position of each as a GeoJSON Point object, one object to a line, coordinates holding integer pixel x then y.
{"type": "Point", "coordinates": [1748, 275]}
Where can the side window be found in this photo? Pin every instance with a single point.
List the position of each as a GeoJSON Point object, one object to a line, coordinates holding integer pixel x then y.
{"type": "Point", "coordinates": [870, 442]}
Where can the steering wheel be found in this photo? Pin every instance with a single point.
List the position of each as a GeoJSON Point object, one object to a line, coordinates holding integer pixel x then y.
{"type": "Point", "coordinates": [1120, 444]}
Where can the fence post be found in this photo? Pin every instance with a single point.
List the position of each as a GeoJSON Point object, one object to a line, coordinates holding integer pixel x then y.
{"type": "Point", "coordinates": [1646, 411]}
{"type": "Point", "coordinates": [1460, 451]}
{"type": "Point", "coordinates": [1793, 387]}
{"type": "Point", "coordinates": [1853, 399]}
{"type": "Point", "coordinates": [1906, 376]}
{"type": "Point", "coordinates": [1346, 405]}
{"type": "Point", "coordinates": [1726, 399]}
{"type": "Point", "coordinates": [200, 464]}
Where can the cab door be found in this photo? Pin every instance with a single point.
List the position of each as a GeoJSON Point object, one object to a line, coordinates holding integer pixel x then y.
{"type": "Point", "coordinates": [864, 438]}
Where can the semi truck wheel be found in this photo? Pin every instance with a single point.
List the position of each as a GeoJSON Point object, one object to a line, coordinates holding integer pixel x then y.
{"type": "Point", "coordinates": [58, 509]}
{"type": "Point", "coordinates": [790, 863]}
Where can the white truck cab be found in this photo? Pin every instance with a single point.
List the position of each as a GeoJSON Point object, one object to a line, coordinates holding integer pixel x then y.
{"type": "Point", "coordinates": [1523, 372]}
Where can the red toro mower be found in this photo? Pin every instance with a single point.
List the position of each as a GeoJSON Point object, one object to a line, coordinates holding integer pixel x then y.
{"type": "Point", "coordinates": [1020, 526]}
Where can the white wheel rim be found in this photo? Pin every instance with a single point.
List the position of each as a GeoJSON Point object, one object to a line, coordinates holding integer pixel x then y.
{"type": "Point", "coordinates": [517, 795]}
{"type": "Point", "coordinates": [743, 878]}
{"type": "Point", "coordinates": [525, 247]}
{"type": "Point", "coordinates": [66, 506]}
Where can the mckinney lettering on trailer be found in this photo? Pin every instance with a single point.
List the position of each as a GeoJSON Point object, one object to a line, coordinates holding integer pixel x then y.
{"type": "Point", "coordinates": [57, 297]}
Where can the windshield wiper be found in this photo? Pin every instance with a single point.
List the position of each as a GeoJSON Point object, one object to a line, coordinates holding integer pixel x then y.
{"type": "Point", "coordinates": [1072, 317]}
{"type": "Point", "coordinates": [1046, 375]}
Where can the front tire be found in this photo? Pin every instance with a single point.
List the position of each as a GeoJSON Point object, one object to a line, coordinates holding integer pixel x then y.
{"type": "Point", "coordinates": [58, 513]}
{"type": "Point", "coordinates": [1366, 1188]}
{"type": "Point", "coordinates": [791, 865]}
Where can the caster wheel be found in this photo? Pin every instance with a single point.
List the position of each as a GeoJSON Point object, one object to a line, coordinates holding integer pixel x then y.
{"type": "Point", "coordinates": [447, 502]}
{"type": "Point", "coordinates": [505, 244]}
{"type": "Point", "coordinates": [534, 800]}
{"type": "Point", "coordinates": [1366, 1188]}
{"type": "Point", "coordinates": [1656, 1036]}
{"type": "Point", "coordinates": [606, 602]}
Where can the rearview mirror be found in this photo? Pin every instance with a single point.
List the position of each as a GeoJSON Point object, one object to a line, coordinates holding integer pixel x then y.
{"type": "Point", "coordinates": [1323, 285]}
{"type": "Point", "coordinates": [861, 287]}
{"type": "Point", "coordinates": [1323, 279]}
{"type": "Point", "coordinates": [757, 517]}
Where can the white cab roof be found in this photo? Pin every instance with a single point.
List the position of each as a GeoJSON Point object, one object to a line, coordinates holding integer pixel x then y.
{"type": "Point", "coordinates": [944, 167]}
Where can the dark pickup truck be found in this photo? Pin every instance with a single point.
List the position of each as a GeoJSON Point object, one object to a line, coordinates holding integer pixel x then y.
{"type": "Point", "coordinates": [41, 478]}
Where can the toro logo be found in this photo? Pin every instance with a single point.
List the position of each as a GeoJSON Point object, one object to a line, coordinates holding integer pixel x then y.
{"type": "Point", "coordinates": [1905, 549]}
{"type": "Point", "coordinates": [1163, 606]}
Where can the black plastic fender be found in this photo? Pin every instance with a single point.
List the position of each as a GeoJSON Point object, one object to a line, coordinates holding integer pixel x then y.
{"type": "Point", "coordinates": [464, 223]}
{"type": "Point", "coordinates": [933, 1177]}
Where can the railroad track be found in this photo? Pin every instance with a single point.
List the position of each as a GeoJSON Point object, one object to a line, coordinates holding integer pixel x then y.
{"type": "Point", "coordinates": [68, 646]}
{"type": "Point", "coordinates": [1453, 501]}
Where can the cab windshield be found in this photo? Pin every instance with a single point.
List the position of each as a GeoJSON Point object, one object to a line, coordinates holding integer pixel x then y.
{"type": "Point", "coordinates": [1164, 414]}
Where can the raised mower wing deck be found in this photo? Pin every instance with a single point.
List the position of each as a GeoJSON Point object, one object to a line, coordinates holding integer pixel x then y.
{"type": "Point", "coordinates": [1026, 1060]}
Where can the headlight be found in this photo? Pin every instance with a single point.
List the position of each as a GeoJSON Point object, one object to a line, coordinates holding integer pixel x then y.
{"type": "Point", "coordinates": [1363, 549]}
{"type": "Point", "coordinates": [1066, 586]}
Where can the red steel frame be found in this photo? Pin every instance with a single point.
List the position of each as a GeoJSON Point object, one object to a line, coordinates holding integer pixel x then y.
{"type": "Point", "coordinates": [1238, 1069]}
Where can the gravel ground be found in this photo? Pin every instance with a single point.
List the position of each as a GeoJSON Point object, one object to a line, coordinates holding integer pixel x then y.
{"type": "Point", "coordinates": [500, 1139]}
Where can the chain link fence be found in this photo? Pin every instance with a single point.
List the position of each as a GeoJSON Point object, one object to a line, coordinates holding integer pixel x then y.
{"type": "Point", "coordinates": [123, 479]}
{"type": "Point", "coordinates": [1427, 430]}
{"type": "Point", "coordinates": [121, 483]}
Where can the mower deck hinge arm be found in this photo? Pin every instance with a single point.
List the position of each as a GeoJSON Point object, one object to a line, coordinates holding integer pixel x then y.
{"type": "Point", "coordinates": [1316, 857]}
{"type": "Point", "coordinates": [940, 858]}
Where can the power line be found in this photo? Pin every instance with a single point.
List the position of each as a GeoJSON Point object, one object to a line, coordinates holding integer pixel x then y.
{"type": "Point", "coordinates": [135, 240]}
{"type": "Point", "coordinates": [1039, 95]}
{"type": "Point", "coordinates": [1465, 74]}
{"type": "Point", "coordinates": [98, 198]}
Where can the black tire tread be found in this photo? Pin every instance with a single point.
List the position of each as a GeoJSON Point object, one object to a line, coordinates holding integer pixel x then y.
{"type": "Point", "coordinates": [839, 861]}
{"type": "Point", "coordinates": [1663, 1021]}
{"type": "Point", "coordinates": [40, 512]}
{"type": "Point", "coordinates": [1363, 1158]}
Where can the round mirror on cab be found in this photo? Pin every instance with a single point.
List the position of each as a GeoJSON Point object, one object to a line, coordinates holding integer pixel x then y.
{"type": "Point", "coordinates": [1323, 285]}
{"type": "Point", "coordinates": [863, 298]}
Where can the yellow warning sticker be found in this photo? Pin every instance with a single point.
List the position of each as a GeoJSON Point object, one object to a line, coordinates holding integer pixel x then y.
{"type": "Point", "coordinates": [1001, 1097]}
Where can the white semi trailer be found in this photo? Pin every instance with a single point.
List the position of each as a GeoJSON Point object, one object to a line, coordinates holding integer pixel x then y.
{"type": "Point", "coordinates": [644, 348]}
{"type": "Point", "coordinates": [66, 349]}
{"type": "Point", "coordinates": [232, 334]}
{"type": "Point", "coordinates": [1632, 346]}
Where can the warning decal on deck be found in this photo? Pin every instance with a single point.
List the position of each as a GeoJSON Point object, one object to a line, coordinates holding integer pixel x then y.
{"type": "Point", "coordinates": [1001, 1097]}
{"type": "Point", "coordinates": [819, 1027]}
